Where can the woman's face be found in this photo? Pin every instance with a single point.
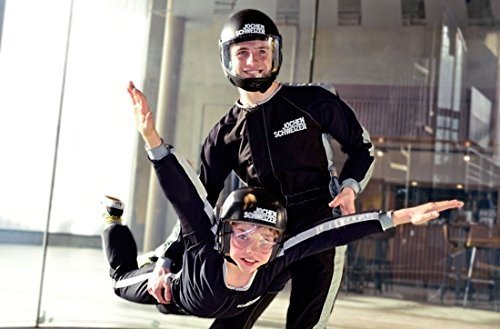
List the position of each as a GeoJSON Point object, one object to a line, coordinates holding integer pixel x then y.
{"type": "Point", "coordinates": [251, 245]}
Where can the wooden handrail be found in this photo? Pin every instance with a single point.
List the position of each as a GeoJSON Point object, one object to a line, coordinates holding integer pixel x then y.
{"type": "Point", "coordinates": [483, 237]}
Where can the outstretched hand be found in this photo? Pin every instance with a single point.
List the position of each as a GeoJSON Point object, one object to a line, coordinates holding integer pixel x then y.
{"type": "Point", "coordinates": [423, 213]}
{"type": "Point", "coordinates": [143, 117]}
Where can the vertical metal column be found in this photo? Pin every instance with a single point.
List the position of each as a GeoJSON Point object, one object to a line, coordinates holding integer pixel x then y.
{"type": "Point", "coordinates": [496, 112]}
{"type": "Point", "coordinates": [45, 243]}
{"type": "Point", "coordinates": [469, 275]}
{"type": "Point", "coordinates": [156, 214]}
{"type": "Point", "coordinates": [141, 170]}
{"type": "Point", "coordinates": [312, 49]}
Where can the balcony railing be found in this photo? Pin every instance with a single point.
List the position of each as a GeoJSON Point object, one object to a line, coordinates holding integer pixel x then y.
{"type": "Point", "coordinates": [388, 118]}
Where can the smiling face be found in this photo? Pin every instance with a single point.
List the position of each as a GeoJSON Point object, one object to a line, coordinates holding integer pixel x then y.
{"type": "Point", "coordinates": [251, 245]}
{"type": "Point", "coordinates": [251, 59]}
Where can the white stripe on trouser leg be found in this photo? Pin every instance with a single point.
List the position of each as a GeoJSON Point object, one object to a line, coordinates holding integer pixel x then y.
{"type": "Point", "coordinates": [131, 281]}
{"type": "Point", "coordinates": [338, 269]}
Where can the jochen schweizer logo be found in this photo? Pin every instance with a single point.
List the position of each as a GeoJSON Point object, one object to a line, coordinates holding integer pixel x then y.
{"type": "Point", "coordinates": [251, 28]}
{"type": "Point", "coordinates": [264, 215]}
{"type": "Point", "coordinates": [291, 127]}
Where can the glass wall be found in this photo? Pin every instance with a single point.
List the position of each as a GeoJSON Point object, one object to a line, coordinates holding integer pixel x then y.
{"type": "Point", "coordinates": [421, 75]}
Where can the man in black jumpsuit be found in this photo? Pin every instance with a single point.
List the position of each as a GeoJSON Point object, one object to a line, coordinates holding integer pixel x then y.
{"type": "Point", "coordinates": [274, 137]}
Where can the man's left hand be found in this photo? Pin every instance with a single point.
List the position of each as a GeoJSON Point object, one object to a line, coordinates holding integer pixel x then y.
{"type": "Point", "coordinates": [345, 200]}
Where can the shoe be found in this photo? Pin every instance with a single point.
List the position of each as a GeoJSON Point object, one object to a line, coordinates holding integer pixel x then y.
{"type": "Point", "coordinates": [114, 209]}
{"type": "Point", "coordinates": [146, 259]}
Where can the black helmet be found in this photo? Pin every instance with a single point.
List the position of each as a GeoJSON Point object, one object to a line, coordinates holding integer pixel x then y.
{"type": "Point", "coordinates": [250, 205]}
{"type": "Point", "coordinates": [245, 25]}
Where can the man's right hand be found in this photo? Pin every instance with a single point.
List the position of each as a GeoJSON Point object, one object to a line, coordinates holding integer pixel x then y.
{"type": "Point", "coordinates": [158, 287]}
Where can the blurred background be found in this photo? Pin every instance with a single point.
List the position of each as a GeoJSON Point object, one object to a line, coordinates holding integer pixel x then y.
{"type": "Point", "coordinates": [423, 77]}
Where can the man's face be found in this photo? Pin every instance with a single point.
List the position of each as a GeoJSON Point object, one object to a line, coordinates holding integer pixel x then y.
{"type": "Point", "coordinates": [251, 246]}
{"type": "Point", "coordinates": [251, 59]}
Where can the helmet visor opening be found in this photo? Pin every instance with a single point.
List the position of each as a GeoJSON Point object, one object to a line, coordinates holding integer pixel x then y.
{"type": "Point", "coordinates": [243, 236]}
{"type": "Point", "coordinates": [251, 56]}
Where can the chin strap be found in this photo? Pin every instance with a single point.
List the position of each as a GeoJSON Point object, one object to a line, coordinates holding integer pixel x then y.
{"type": "Point", "coordinates": [253, 84]}
{"type": "Point", "coordinates": [229, 259]}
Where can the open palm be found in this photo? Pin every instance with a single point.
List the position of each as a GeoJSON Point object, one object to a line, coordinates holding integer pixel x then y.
{"type": "Point", "coordinates": [423, 213]}
{"type": "Point", "coordinates": [143, 116]}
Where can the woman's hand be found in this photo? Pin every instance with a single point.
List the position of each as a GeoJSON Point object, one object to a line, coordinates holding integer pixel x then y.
{"type": "Point", "coordinates": [158, 287]}
{"type": "Point", "coordinates": [143, 117]}
{"type": "Point", "coordinates": [423, 213]}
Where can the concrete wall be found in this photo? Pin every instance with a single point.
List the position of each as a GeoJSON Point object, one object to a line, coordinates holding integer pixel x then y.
{"type": "Point", "coordinates": [357, 55]}
{"type": "Point", "coordinates": [381, 14]}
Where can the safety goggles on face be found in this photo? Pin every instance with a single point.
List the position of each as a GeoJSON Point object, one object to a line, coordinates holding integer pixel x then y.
{"type": "Point", "coordinates": [246, 238]}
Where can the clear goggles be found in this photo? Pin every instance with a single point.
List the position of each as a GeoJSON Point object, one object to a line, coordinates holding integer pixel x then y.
{"type": "Point", "coordinates": [246, 238]}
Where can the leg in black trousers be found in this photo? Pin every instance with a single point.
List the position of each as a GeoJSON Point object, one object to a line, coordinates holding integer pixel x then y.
{"type": "Point", "coordinates": [130, 282]}
{"type": "Point", "coordinates": [313, 294]}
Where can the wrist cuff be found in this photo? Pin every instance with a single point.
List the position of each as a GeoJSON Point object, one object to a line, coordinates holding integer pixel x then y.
{"type": "Point", "coordinates": [352, 184]}
{"type": "Point", "coordinates": [164, 262]}
{"type": "Point", "coordinates": [159, 152]}
{"type": "Point", "coordinates": [385, 219]}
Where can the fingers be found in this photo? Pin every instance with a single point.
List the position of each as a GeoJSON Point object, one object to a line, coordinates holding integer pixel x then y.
{"type": "Point", "coordinates": [136, 95]}
{"type": "Point", "coordinates": [348, 209]}
{"type": "Point", "coordinates": [162, 292]}
{"type": "Point", "coordinates": [345, 202]}
{"type": "Point", "coordinates": [420, 219]}
{"type": "Point", "coordinates": [130, 87]}
{"type": "Point", "coordinates": [431, 210]}
{"type": "Point", "coordinates": [141, 110]}
{"type": "Point", "coordinates": [336, 202]}
{"type": "Point", "coordinates": [437, 206]}
{"type": "Point", "coordinates": [344, 209]}
{"type": "Point", "coordinates": [448, 204]}
{"type": "Point", "coordinates": [141, 101]}
{"type": "Point", "coordinates": [167, 293]}
{"type": "Point", "coordinates": [423, 213]}
{"type": "Point", "coordinates": [157, 292]}
{"type": "Point", "coordinates": [159, 285]}
{"type": "Point", "coordinates": [131, 91]}
{"type": "Point", "coordinates": [155, 287]}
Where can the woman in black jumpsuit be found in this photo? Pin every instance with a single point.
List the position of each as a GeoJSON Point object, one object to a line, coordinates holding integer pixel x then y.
{"type": "Point", "coordinates": [200, 288]}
